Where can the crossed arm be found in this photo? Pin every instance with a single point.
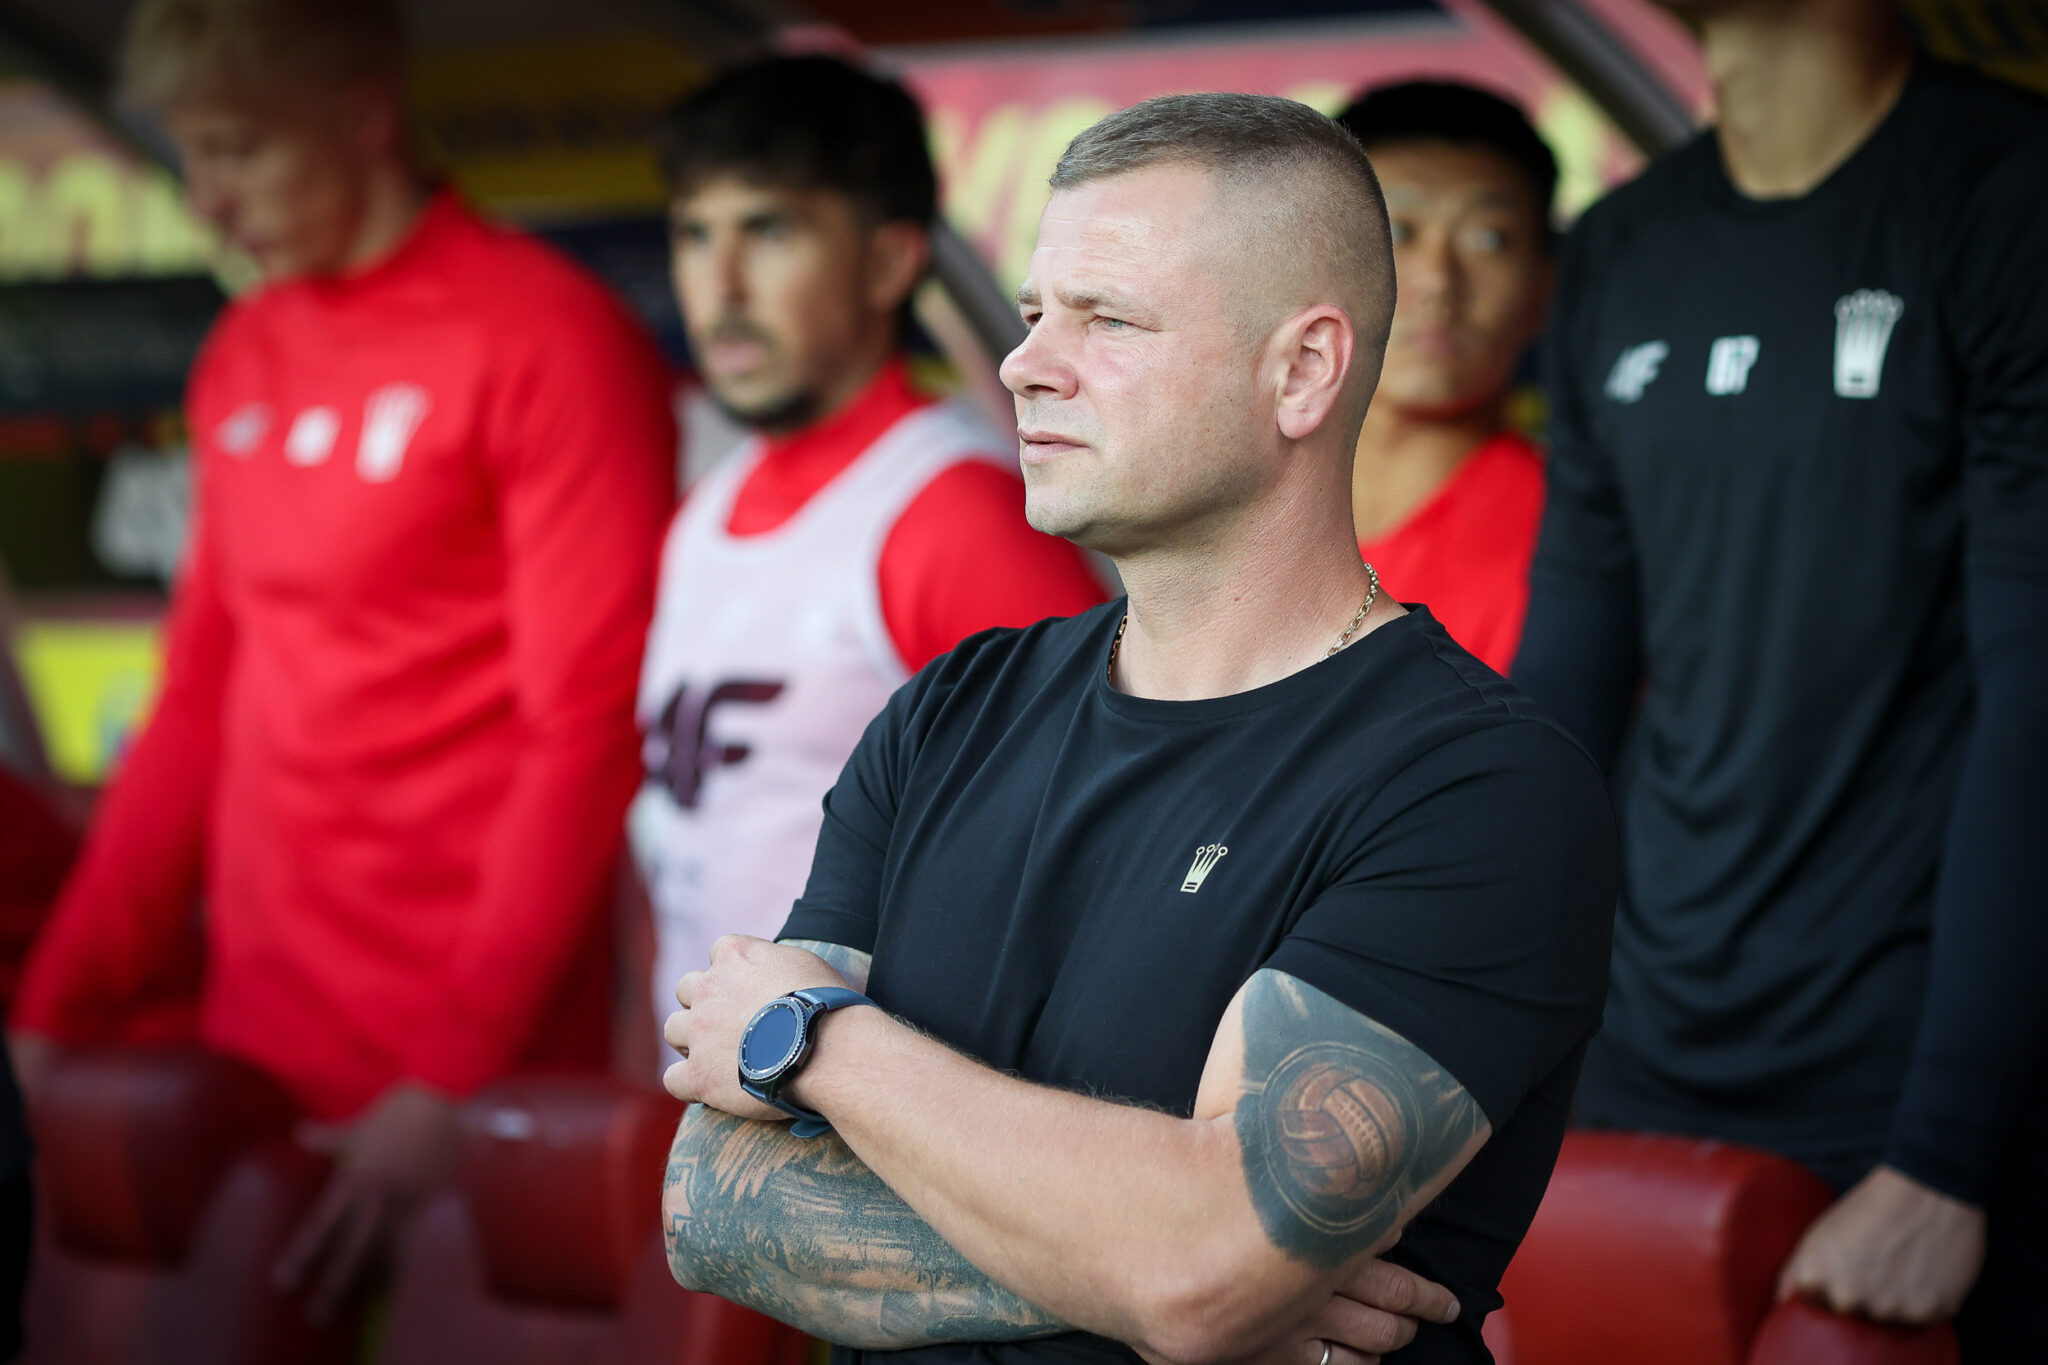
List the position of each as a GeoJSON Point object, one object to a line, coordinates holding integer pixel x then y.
{"type": "Point", "coordinates": [803, 1231]}
{"type": "Point", "coordinates": [961, 1204]}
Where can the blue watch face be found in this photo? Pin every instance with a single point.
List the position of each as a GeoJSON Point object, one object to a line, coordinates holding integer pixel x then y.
{"type": "Point", "coordinates": [772, 1039]}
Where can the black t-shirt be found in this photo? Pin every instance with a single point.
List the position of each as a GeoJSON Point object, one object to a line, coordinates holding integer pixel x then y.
{"type": "Point", "coordinates": [1785, 427]}
{"type": "Point", "coordinates": [1017, 843]}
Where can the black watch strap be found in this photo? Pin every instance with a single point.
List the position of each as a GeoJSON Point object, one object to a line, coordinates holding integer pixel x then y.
{"type": "Point", "coordinates": [817, 1000]}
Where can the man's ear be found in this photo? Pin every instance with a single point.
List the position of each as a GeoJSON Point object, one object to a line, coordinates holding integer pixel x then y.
{"type": "Point", "coordinates": [1315, 349]}
{"type": "Point", "coordinates": [898, 253]}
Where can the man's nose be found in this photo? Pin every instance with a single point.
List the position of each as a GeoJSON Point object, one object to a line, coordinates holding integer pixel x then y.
{"type": "Point", "coordinates": [1427, 266]}
{"type": "Point", "coordinates": [1037, 368]}
{"type": "Point", "coordinates": [729, 273]}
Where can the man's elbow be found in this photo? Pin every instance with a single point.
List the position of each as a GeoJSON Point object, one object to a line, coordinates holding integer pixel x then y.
{"type": "Point", "coordinates": [1223, 1304]}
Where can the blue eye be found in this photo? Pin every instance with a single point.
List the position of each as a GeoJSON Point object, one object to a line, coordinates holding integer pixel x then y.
{"type": "Point", "coordinates": [1113, 323]}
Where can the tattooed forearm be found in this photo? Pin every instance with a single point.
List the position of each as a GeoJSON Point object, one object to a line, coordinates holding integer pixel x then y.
{"type": "Point", "coordinates": [1341, 1122]}
{"type": "Point", "coordinates": [803, 1231]}
{"type": "Point", "coordinates": [850, 963]}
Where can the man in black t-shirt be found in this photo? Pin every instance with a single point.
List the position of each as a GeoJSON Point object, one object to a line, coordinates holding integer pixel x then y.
{"type": "Point", "coordinates": [1797, 533]}
{"type": "Point", "coordinates": [1230, 930]}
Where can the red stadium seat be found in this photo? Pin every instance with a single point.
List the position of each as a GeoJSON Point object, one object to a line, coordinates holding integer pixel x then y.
{"type": "Point", "coordinates": [1666, 1251]}
{"type": "Point", "coordinates": [168, 1187]}
{"type": "Point", "coordinates": [1801, 1333]}
{"type": "Point", "coordinates": [550, 1252]}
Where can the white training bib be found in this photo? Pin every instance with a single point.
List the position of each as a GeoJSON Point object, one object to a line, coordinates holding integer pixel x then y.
{"type": "Point", "coordinates": [767, 658]}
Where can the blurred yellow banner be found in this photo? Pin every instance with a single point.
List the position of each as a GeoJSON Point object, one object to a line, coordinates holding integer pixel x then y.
{"type": "Point", "coordinates": [89, 683]}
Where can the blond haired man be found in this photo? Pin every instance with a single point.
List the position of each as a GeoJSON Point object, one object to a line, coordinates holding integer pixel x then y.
{"type": "Point", "coordinates": [394, 741]}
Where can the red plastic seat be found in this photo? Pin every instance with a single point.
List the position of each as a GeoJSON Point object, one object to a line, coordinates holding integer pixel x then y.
{"type": "Point", "coordinates": [1801, 1333]}
{"type": "Point", "coordinates": [550, 1252]}
{"type": "Point", "coordinates": [168, 1187]}
{"type": "Point", "coordinates": [1665, 1251]}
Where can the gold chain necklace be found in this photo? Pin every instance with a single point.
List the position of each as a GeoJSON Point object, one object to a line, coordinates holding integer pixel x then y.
{"type": "Point", "coordinates": [1372, 592]}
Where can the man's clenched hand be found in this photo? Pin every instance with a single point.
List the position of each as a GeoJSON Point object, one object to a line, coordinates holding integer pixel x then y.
{"type": "Point", "coordinates": [718, 1003]}
{"type": "Point", "coordinates": [1890, 1249]}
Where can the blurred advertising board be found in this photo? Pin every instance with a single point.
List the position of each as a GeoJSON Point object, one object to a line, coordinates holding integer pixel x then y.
{"type": "Point", "coordinates": [1001, 113]}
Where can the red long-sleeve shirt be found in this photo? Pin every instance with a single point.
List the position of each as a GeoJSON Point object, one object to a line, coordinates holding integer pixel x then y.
{"type": "Point", "coordinates": [395, 737]}
{"type": "Point", "coordinates": [1465, 552]}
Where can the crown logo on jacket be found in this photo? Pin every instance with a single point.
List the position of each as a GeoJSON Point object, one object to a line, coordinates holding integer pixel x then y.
{"type": "Point", "coordinates": [1206, 857]}
{"type": "Point", "coordinates": [1863, 329]}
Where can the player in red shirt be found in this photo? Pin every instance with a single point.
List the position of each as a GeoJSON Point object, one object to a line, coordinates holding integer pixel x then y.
{"type": "Point", "coordinates": [394, 740]}
{"type": "Point", "coordinates": [1445, 498]}
{"type": "Point", "coordinates": [864, 530]}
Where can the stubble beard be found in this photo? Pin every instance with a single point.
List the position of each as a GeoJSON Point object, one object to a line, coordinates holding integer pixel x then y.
{"type": "Point", "coordinates": [777, 416]}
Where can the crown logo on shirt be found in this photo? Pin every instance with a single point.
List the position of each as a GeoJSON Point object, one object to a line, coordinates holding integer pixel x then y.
{"type": "Point", "coordinates": [1863, 329]}
{"type": "Point", "coordinates": [1206, 858]}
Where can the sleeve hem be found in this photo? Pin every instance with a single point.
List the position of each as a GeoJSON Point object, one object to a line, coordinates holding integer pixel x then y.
{"type": "Point", "coordinates": [1397, 1014]}
{"type": "Point", "coordinates": [1944, 1176]}
{"type": "Point", "coordinates": [829, 926]}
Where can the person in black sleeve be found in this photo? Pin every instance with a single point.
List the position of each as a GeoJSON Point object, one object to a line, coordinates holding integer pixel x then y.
{"type": "Point", "coordinates": [1793, 584]}
{"type": "Point", "coordinates": [1230, 930]}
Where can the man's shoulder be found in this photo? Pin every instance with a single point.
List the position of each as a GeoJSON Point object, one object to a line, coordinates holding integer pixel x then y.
{"type": "Point", "coordinates": [1037, 652]}
{"type": "Point", "coordinates": [524, 288]}
{"type": "Point", "coordinates": [998, 672]}
{"type": "Point", "coordinates": [1437, 697]}
{"type": "Point", "coordinates": [1966, 116]}
{"type": "Point", "coordinates": [1977, 149]}
{"type": "Point", "coordinates": [1664, 190]}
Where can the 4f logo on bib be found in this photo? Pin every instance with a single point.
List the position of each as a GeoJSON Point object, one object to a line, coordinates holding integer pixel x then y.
{"type": "Point", "coordinates": [679, 750]}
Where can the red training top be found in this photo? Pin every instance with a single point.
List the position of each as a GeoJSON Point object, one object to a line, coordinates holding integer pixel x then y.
{"type": "Point", "coordinates": [395, 735]}
{"type": "Point", "coordinates": [1465, 552]}
{"type": "Point", "coordinates": [961, 558]}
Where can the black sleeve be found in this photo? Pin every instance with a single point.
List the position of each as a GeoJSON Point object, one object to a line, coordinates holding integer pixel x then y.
{"type": "Point", "coordinates": [1579, 658]}
{"type": "Point", "coordinates": [1579, 654]}
{"type": "Point", "coordinates": [1984, 1027]}
{"type": "Point", "coordinates": [842, 900]}
{"type": "Point", "coordinates": [1996, 299]}
{"type": "Point", "coordinates": [1473, 915]}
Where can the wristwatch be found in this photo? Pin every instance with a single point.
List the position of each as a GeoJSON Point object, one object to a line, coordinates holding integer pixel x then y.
{"type": "Point", "coordinates": [777, 1043]}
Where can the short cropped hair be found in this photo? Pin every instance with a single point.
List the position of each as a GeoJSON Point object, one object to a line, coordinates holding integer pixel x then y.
{"type": "Point", "coordinates": [1464, 115]}
{"type": "Point", "coordinates": [1318, 188]}
{"type": "Point", "coordinates": [805, 123]}
{"type": "Point", "coordinates": [178, 50]}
